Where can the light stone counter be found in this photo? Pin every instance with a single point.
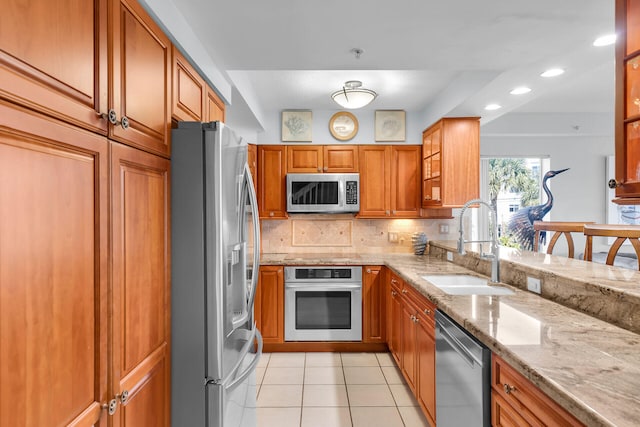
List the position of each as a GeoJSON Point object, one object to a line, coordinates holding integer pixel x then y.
{"type": "Point", "coordinates": [589, 366]}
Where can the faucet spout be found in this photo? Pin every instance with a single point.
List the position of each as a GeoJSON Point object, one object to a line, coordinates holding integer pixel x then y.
{"type": "Point", "coordinates": [493, 234]}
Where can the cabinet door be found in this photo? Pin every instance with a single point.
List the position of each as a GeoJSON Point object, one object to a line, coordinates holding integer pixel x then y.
{"type": "Point", "coordinates": [140, 83]}
{"type": "Point", "coordinates": [140, 286]}
{"type": "Point", "coordinates": [409, 345]}
{"type": "Point", "coordinates": [373, 318]}
{"type": "Point", "coordinates": [189, 90]}
{"type": "Point", "coordinates": [252, 160]}
{"type": "Point", "coordinates": [395, 326]}
{"type": "Point", "coordinates": [53, 271]}
{"type": "Point", "coordinates": [53, 58]}
{"type": "Point", "coordinates": [340, 158]}
{"type": "Point", "coordinates": [272, 199]}
{"type": "Point", "coordinates": [426, 353]}
{"type": "Point", "coordinates": [269, 306]}
{"type": "Point", "coordinates": [405, 181]}
{"type": "Point", "coordinates": [304, 159]}
{"type": "Point", "coordinates": [627, 120]}
{"type": "Point", "coordinates": [215, 108]}
{"type": "Point", "coordinates": [374, 181]}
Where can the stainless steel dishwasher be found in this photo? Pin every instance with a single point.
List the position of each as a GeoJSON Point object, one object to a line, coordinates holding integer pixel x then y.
{"type": "Point", "coordinates": [463, 387]}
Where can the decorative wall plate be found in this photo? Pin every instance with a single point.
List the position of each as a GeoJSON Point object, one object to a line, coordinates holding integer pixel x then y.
{"type": "Point", "coordinates": [343, 125]}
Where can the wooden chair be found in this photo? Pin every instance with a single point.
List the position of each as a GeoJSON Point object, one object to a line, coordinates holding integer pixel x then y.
{"type": "Point", "coordinates": [559, 228]}
{"type": "Point", "coordinates": [620, 232]}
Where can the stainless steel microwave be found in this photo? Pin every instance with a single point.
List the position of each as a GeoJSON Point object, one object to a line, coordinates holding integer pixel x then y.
{"type": "Point", "coordinates": [323, 192]}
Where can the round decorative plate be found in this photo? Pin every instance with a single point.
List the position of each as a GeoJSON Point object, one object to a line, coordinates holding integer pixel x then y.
{"type": "Point", "coordinates": [343, 125]}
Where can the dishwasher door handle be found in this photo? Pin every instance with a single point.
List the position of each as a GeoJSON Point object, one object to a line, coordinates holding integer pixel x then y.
{"type": "Point", "coordinates": [456, 345]}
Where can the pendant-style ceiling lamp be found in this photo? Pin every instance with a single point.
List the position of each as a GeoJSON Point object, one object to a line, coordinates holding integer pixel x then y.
{"type": "Point", "coordinates": [353, 95]}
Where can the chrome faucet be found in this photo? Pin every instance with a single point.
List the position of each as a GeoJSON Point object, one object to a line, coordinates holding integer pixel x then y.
{"type": "Point", "coordinates": [494, 256]}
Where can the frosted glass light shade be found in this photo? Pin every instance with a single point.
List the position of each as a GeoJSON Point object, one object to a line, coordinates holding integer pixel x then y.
{"type": "Point", "coordinates": [352, 96]}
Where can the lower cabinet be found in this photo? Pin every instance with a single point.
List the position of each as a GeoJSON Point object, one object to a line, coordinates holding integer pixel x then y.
{"type": "Point", "coordinates": [269, 304]}
{"type": "Point", "coordinates": [373, 313]}
{"type": "Point", "coordinates": [412, 341]}
{"type": "Point", "coordinates": [515, 401]}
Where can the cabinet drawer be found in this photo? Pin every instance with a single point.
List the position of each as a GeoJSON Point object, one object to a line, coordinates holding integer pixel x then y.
{"type": "Point", "coordinates": [526, 399]}
{"type": "Point", "coordinates": [426, 309]}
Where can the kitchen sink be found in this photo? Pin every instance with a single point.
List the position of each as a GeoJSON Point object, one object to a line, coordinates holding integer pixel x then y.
{"type": "Point", "coordinates": [464, 284]}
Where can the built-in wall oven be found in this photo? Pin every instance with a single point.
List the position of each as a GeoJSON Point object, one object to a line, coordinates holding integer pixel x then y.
{"type": "Point", "coordinates": [323, 303]}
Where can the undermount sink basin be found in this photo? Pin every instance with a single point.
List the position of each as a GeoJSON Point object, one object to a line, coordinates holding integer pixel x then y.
{"type": "Point", "coordinates": [463, 284]}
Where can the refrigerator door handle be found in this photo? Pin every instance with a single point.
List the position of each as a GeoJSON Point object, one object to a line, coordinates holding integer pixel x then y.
{"type": "Point", "coordinates": [256, 241]}
{"type": "Point", "coordinates": [253, 364]}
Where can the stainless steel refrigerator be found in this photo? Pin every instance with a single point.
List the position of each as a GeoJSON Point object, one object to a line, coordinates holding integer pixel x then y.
{"type": "Point", "coordinates": [215, 247]}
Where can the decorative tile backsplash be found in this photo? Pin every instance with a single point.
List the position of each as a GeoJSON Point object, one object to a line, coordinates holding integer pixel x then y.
{"type": "Point", "coordinates": [338, 233]}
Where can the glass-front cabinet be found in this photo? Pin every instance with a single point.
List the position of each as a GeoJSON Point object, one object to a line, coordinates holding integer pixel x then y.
{"type": "Point", "coordinates": [627, 122]}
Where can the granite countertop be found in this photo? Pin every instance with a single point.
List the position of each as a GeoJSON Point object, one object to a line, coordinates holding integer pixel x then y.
{"type": "Point", "coordinates": [589, 366]}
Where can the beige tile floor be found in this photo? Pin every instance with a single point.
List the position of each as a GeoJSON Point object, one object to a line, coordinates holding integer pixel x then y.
{"type": "Point", "coordinates": [334, 390]}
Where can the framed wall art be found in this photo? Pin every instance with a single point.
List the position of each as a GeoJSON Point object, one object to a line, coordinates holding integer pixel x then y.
{"type": "Point", "coordinates": [390, 125]}
{"type": "Point", "coordinates": [343, 126]}
{"type": "Point", "coordinates": [297, 126]}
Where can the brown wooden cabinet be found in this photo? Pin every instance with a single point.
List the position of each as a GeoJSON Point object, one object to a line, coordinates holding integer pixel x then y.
{"type": "Point", "coordinates": [139, 79]}
{"type": "Point", "coordinates": [252, 161]}
{"type": "Point", "coordinates": [627, 111]}
{"type": "Point", "coordinates": [54, 60]}
{"type": "Point", "coordinates": [373, 303]}
{"type": "Point", "coordinates": [214, 107]}
{"type": "Point", "coordinates": [389, 181]}
{"type": "Point", "coordinates": [140, 289]}
{"type": "Point", "coordinates": [272, 199]}
{"type": "Point", "coordinates": [516, 401]}
{"type": "Point", "coordinates": [411, 340]}
{"type": "Point", "coordinates": [53, 270]}
{"type": "Point", "coordinates": [451, 162]}
{"type": "Point", "coordinates": [269, 304]}
{"type": "Point", "coordinates": [189, 91]}
{"type": "Point", "coordinates": [322, 158]}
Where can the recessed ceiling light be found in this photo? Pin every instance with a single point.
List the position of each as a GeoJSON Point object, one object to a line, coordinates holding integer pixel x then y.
{"type": "Point", "coordinates": [492, 107]}
{"type": "Point", "coordinates": [520, 90]}
{"type": "Point", "coordinates": [605, 40]}
{"type": "Point", "coordinates": [552, 72]}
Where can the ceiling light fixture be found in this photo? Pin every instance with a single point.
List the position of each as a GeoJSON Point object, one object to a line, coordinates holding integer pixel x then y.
{"type": "Point", "coordinates": [520, 90]}
{"type": "Point", "coordinates": [491, 107]}
{"type": "Point", "coordinates": [552, 72]}
{"type": "Point", "coordinates": [605, 40]}
{"type": "Point", "coordinates": [353, 95]}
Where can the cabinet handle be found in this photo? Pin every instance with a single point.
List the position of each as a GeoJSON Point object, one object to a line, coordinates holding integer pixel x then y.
{"type": "Point", "coordinates": [394, 293]}
{"type": "Point", "coordinates": [427, 311]}
{"type": "Point", "coordinates": [111, 116]}
{"type": "Point", "coordinates": [387, 212]}
{"type": "Point", "coordinates": [319, 169]}
{"type": "Point", "coordinates": [393, 212]}
{"type": "Point", "coordinates": [508, 389]}
{"type": "Point", "coordinates": [112, 405]}
{"type": "Point", "coordinates": [271, 214]}
{"type": "Point", "coordinates": [614, 184]}
{"type": "Point", "coordinates": [394, 281]}
{"type": "Point", "coordinates": [427, 197]}
{"type": "Point", "coordinates": [124, 122]}
{"type": "Point", "coordinates": [368, 271]}
{"type": "Point", "coordinates": [404, 291]}
{"type": "Point", "coordinates": [326, 168]}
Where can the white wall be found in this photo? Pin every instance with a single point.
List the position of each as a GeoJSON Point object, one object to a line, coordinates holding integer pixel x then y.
{"type": "Point", "coordinates": [321, 134]}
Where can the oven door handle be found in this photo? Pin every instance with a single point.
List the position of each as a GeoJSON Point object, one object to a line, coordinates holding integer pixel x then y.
{"type": "Point", "coordinates": [321, 287]}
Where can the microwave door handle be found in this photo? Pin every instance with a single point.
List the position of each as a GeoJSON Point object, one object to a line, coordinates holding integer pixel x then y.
{"type": "Point", "coordinates": [341, 193]}
{"type": "Point", "coordinates": [256, 241]}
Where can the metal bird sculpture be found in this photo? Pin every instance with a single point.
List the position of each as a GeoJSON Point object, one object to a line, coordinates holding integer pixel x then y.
{"type": "Point", "coordinates": [520, 225]}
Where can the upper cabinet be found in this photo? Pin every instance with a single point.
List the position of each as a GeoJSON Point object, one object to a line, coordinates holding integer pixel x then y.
{"type": "Point", "coordinates": [214, 107]}
{"type": "Point", "coordinates": [389, 181]}
{"type": "Point", "coordinates": [451, 162]}
{"type": "Point", "coordinates": [322, 158]}
{"type": "Point", "coordinates": [189, 90]}
{"type": "Point", "coordinates": [272, 201]}
{"type": "Point", "coordinates": [54, 59]}
{"type": "Point", "coordinates": [140, 79]}
{"type": "Point", "coordinates": [627, 121]}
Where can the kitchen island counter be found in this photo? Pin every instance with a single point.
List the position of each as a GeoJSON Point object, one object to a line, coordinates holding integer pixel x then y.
{"type": "Point", "coordinates": [589, 366]}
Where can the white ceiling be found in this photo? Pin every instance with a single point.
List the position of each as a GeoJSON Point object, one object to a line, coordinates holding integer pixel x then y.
{"type": "Point", "coordinates": [435, 58]}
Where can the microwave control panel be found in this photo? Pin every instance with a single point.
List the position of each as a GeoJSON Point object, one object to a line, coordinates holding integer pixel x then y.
{"type": "Point", "coordinates": [352, 192]}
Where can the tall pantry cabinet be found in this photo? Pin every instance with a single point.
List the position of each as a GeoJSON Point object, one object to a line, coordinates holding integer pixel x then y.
{"type": "Point", "coordinates": [85, 123]}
